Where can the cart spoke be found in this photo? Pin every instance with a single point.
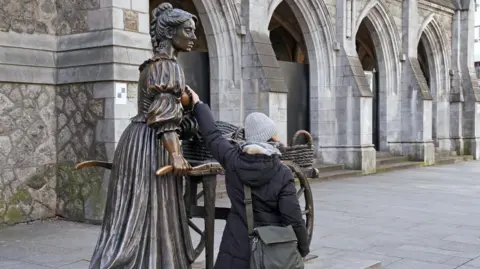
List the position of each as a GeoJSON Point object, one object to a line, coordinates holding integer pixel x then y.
{"type": "Point", "coordinates": [195, 228]}
{"type": "Point", "coordinates": [200, 194]}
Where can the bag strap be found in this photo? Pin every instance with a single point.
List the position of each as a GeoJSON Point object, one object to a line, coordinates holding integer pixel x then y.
{"type": "Point", "coordinates": [249, 208]}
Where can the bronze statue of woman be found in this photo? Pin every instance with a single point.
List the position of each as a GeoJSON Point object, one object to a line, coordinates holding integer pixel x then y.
{"type": "Point", "coordinates": [144, 222]}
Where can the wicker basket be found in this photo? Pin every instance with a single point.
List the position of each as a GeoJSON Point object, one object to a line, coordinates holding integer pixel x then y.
{"type": "Point", "coordinates": [194, 150]}
{"type": "Point", "coordinates": [301, 154]}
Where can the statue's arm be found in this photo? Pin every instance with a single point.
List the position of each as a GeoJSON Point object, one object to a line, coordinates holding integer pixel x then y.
{"type": "Point", "coordinates": [165, 116]}
{"type": "Point", "coordinates": [165, 113]}
{"type": "Point", "coordinates": [171, 142]}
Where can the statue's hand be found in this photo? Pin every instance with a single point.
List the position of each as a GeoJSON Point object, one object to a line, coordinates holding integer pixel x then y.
{"type": "Point", "coordinates": [193, 95]}
{"type": "Point", "coordinates": [180, 166]}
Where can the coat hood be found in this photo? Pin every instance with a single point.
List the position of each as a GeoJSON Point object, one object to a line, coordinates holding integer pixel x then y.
{"type": "Point", "coordinates": [257, 164]}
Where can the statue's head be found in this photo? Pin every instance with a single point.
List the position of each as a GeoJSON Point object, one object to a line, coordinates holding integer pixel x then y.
{"type": "Point", "coordinates": [172, 27]}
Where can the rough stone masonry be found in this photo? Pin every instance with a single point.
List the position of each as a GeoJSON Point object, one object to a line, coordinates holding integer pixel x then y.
{"type": "Point", "coordinates": [60, 61]}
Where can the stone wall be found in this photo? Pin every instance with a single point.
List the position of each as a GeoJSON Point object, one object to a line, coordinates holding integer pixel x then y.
{"type": "Point", "coordinates": [79, 192]}
{"type": "Point", "coordinates": [73, 51]}
{"type": "Point", "coordinates": [27, 110]}
{"type": "Point", "coordinates": [27, 152]}
{"type": "Point", "coordinates": [45, 16]}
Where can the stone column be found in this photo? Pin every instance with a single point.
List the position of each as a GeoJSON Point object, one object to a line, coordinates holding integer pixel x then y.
{"type": "Point", "coordinates": [223, 25]}
{"type": "Point", "coordinates": [263, 85]}
{"type": "Point", "coordinates": [456, 92]}
{"type": "Point", "coordinates": [471, 91]}
{"type": "Point", "coordinates": [353, 98]}
{"type": "Point", "coordinates": [416, 99]}
{"type": "Point", "coordinates": [91, 63]}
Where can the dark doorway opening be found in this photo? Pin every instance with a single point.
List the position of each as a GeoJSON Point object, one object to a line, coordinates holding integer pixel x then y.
{"type": "Point", "coordinates": [366, 53]}
{"type": "Point", "coordinates": [423, 61]}
{"type": "Point", "coordinates": [196, 64]}
{"type": "Point", "coordinates": [290, 49]}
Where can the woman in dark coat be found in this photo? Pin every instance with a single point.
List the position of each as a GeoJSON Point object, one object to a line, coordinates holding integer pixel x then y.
{"type": "Point", "coordinates": [257, 164]}
{"type": "Point", "coordinates": [144, 214]}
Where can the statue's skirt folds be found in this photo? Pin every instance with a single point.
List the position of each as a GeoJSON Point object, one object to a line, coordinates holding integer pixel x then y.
{"type": "Point", "coordinates": [143, 226]}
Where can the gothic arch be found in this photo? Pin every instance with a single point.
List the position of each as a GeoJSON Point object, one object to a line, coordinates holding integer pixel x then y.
{"type": "Point", "coordinates": [385, 35]}
{"type": "Point", "coordinates": [316, 26]}
{"type": "Point", "coordinates": [317, 30]}
{"type": "Point", "coordinates": [432, 36]}
{"type": "Point", "coordinates": [382, 26]}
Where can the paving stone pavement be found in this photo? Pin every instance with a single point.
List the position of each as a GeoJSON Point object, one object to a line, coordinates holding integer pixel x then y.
{"type": "Point", "coordinates": [424, 218]}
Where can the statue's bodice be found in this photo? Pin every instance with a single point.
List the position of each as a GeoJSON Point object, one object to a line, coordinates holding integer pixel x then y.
{"type": "Point", "coordinates": [158, 76]}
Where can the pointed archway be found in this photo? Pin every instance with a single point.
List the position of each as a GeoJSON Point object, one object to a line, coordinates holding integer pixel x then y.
{"type": "Point", "coordinates": [434, 63]}
{"type": "Point", "coordinates": [423, 60]}
{"type": "Point", "coordinates": [316, 29]}
{"type": "Point", "coordinates": [377, 43]}
{"type": "Point", "coordinates": [289, 46]}
{"type": "Point", "coordinates": [365, 48]}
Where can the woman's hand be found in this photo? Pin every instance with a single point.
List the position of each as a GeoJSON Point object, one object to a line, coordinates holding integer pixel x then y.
{"type": "Point", "coordinates": [180, 166]}
{"type": "Point", "coordinates": [194, 95]}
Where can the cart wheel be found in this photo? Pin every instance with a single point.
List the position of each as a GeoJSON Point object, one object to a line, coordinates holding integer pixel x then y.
{"type": "Point", "coordinates": [305, 191]}
{"type": "Point", "coordinates": [193, 252]}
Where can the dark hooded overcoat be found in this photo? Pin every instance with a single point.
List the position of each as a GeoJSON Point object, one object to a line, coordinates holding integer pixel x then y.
{"type": "Point", "coordinates": [273, 190]}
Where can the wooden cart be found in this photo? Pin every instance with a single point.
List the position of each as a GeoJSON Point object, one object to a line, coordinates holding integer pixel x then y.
{"type": "Point", "coordinates": [205, 173]}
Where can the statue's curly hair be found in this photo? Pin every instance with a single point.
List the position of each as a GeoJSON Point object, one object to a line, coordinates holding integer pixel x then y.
{"type": "Point", "coordinates": [165, 19]}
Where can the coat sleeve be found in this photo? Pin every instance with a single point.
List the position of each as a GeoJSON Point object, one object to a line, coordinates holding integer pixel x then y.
{"type": "Point", "coordinates": [222, 150]}
{"type": "Point", "coordinates": [291, 213]}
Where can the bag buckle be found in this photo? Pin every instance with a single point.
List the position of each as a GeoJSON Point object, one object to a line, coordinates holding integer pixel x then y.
{"type": "Point", "coordinates": [248, 201]}
{"type": "Point", "coordinates": [254, 243]}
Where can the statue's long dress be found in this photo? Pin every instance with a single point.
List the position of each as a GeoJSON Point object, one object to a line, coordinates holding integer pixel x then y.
{"type": "Point", "coordinates": [144, 214]}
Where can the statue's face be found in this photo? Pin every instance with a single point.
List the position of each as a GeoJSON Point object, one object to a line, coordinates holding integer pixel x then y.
{"type": "Point", "coordinates": [184, 38]}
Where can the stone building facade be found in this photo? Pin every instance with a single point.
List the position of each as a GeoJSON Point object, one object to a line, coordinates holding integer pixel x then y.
{"type": "Point", "coordinates": [378, 75]}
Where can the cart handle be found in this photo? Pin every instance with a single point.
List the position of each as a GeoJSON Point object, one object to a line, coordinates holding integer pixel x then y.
{"type": "Point", "coordinates": [201, 169]}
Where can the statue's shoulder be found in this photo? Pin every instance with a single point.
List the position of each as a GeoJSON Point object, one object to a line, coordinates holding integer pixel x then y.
{"type": "Point", "coordinates": [148, 62]}
{"type": "Point", "coordinates": [167, 63]}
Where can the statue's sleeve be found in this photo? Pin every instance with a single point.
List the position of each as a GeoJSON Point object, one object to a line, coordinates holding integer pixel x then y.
{"type": "Point", "coordinates": [164, 81]}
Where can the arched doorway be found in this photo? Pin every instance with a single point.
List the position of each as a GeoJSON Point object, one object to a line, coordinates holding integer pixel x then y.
{"type": "Point", "coordinates": [290, 49]}
{"type": "Point", "coordinates": [365, 48]}
{"type": "Point", "coordinates": [422, 57]}
{"type": "Point", "coordinates": [196, 63]}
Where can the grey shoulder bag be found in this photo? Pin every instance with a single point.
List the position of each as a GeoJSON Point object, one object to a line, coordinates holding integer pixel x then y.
{"type": "Point", "coordinates": [272, 247]}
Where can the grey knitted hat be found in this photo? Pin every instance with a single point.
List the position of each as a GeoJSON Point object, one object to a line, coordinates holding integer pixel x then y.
{"type": "Point", "coordinates": [259, 127]}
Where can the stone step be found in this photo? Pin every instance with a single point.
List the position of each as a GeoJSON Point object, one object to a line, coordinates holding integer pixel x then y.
{"type": "Point", "coordinates": [383, 154]}
{"type": "Point", "coordinates": [323, 168]}
{"type": "Point", "coordinates": [338, 174]}
{"type": "Point", "coordinates": [391, 160]}
{"type": "Point", "coordinates": [452, 159]}
{"type": "Point", "coordinates": [445, 153]}
{"type": "Point", "coordinates": [398, 166]}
